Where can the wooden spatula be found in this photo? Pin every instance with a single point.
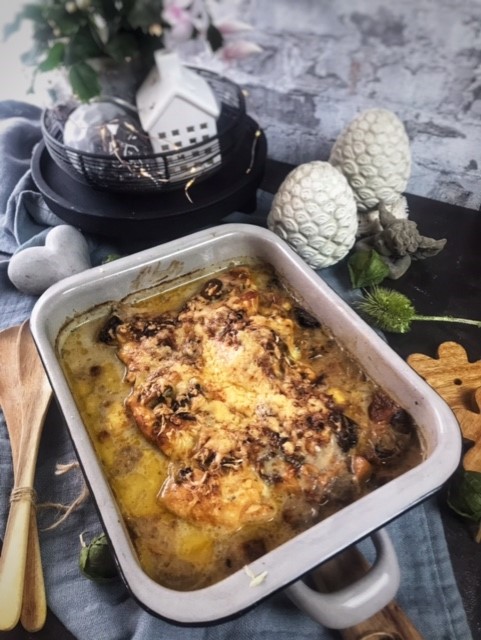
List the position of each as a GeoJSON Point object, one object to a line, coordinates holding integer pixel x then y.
{"type": "Point", "coordinates": [24, 397]}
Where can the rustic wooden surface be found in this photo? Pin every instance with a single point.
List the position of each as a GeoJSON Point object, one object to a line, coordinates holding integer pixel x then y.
{"type": "Point", "coordinates": [390, 623]}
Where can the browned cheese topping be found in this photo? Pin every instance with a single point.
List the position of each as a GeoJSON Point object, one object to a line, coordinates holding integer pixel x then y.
{"type": "Point", "coordinates": [225, 389]}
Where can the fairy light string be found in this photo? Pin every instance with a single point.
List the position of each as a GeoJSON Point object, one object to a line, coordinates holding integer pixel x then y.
{"type": "Point", "coordinates": [257, 135]}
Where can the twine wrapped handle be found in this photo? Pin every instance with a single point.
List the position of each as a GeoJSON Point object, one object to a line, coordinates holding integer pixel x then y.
{"type": "Point", "coordinates": [21, 493]}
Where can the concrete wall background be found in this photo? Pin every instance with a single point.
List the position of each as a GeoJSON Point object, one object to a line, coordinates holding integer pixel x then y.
{"type": "Point", "coordinates": [324, 61]}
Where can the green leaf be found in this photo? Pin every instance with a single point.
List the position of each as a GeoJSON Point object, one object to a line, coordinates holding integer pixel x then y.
{"type": "Point", "coordinates": [84, 81]}
{"type": "Point", "coordinates": [42, 34]}
{"type": "Point", "coordinates": [82, 47]}
{"type": "Point", "coordinates": [97, 562]}
{"type": "Point", "coordinates": [464, 494]}
{"type": "Point", "coordinates": [106, 8]}
{"type": "Point", "coordinates": [128, 5]}
{"type": "Point", "coordinates": [122, 46]}
{"type": "Point", "coordinates": [32, 12]}
{"type": "Point", "coordinates": [12, 27]}
{"type": "Point", "coordinates": [55, 57]}
{"type": "Point", "coordinates": [366, 269]}
{"type": "Point", "coordinates": [110, 258]}
{"type": "Point", "coordinates": [144, 13]}
{"type": "Point", "coordinates": [29, 12]}
{"type": "Point", "coordinates": [214, 38]}
{"type": "Point", "coordinates": [31, 57]}
{"type": "Point", "coordinates": [67, 24]}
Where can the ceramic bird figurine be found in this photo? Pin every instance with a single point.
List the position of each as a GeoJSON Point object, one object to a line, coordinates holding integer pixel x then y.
{"type": "Point", "coordinates": [314, 211]}
{"type": "Point", "coordinates": [373, 153]}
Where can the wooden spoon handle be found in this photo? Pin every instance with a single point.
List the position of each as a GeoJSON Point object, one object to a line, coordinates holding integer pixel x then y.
{"type": "Point", "coordinates": [34, 599]}
{"type": "Point", "coordinates": [14, 551]}
{"type": "Point", "coordinates": [13, 562]}
{"type": "Point", "coordinates": [34, 604]}
{"type": "Point", "coordinates": [24, 396]}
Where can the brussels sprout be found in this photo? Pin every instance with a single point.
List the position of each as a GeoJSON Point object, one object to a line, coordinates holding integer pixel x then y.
{"type": "Point", "coordinates": [96, 560]}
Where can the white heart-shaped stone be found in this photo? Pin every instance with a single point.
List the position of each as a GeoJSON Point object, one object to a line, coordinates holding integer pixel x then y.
{"type": "Point", "coordinates": [35, 269]}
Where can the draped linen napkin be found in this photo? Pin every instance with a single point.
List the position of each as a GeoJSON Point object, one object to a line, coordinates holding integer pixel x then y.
{"type": "Point", "coordinates": [428, 591]}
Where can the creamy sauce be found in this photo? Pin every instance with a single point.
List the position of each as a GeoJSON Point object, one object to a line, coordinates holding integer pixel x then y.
{"type": "Point", "coordinates": [174, 552]}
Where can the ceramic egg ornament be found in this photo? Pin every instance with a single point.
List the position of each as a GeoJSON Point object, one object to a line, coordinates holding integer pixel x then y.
{"type": "Point", "coordinates": [373, 153]}
{"type": "Point", "coordinates": [105, 127]}
{"type": "Point", "coordinates": [315, 212]}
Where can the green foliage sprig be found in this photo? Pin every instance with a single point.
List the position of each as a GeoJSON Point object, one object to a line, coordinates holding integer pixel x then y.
{"type": "Point", "coordinates": [69, 33]}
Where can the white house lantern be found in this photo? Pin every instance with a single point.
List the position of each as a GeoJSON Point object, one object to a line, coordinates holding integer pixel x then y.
{"type": "Point", "coordinates": [179, 111]}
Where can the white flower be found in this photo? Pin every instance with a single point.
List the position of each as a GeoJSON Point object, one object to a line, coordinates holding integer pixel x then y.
{"type": "Point", "coordinates": [199, 15]}
{"type": "Point", "coordinates": [71, 7]}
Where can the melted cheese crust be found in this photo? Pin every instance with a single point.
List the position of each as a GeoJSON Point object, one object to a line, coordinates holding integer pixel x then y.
{"type": "Point", "coordinates": [247, 425]}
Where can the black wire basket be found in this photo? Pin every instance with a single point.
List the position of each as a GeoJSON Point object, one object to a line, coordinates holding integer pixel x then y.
{"type": "Point", "coordinates": [150, 172]}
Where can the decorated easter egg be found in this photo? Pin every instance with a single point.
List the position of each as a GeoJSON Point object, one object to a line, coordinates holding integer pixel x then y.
{"type": "Point", "coordinates": [105, 128]}
{"type": "Point", "coordinates": [314, 211]}
{"type": "Point", "coordinates": [373, 153]}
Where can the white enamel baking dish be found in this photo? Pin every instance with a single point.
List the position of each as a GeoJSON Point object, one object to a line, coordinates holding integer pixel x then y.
{"type": "Point", "coordinates": [282, 567]}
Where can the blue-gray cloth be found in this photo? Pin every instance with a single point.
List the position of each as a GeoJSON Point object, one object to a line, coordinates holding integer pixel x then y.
{"type": "Point", "coordinates": [428, 591]}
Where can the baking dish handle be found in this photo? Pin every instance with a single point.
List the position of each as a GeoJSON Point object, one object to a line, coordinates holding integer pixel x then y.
{"type": "Point", "coordinates": [358, 601]}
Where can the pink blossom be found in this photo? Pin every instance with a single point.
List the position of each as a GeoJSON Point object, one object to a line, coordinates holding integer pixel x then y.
{"type": "Point", "coordinates": [177, 15]}
{"type": "Point", "coordinates": [229, 26]}
{"type": "Point", "coordinates": [239, 49]}
{"type": "Point", "coordinates": [184, 16]}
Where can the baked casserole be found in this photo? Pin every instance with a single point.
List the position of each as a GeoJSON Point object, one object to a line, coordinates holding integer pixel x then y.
{"type": "Point", "coordinates": [227, 420]}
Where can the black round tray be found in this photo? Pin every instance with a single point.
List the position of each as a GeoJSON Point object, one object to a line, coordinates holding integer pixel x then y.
{"type": "Point", "coordinates": [159, 216]}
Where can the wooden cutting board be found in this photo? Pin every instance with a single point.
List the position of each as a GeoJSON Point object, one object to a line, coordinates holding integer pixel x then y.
{"type": "Point", "coordinates": [458, 382]}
